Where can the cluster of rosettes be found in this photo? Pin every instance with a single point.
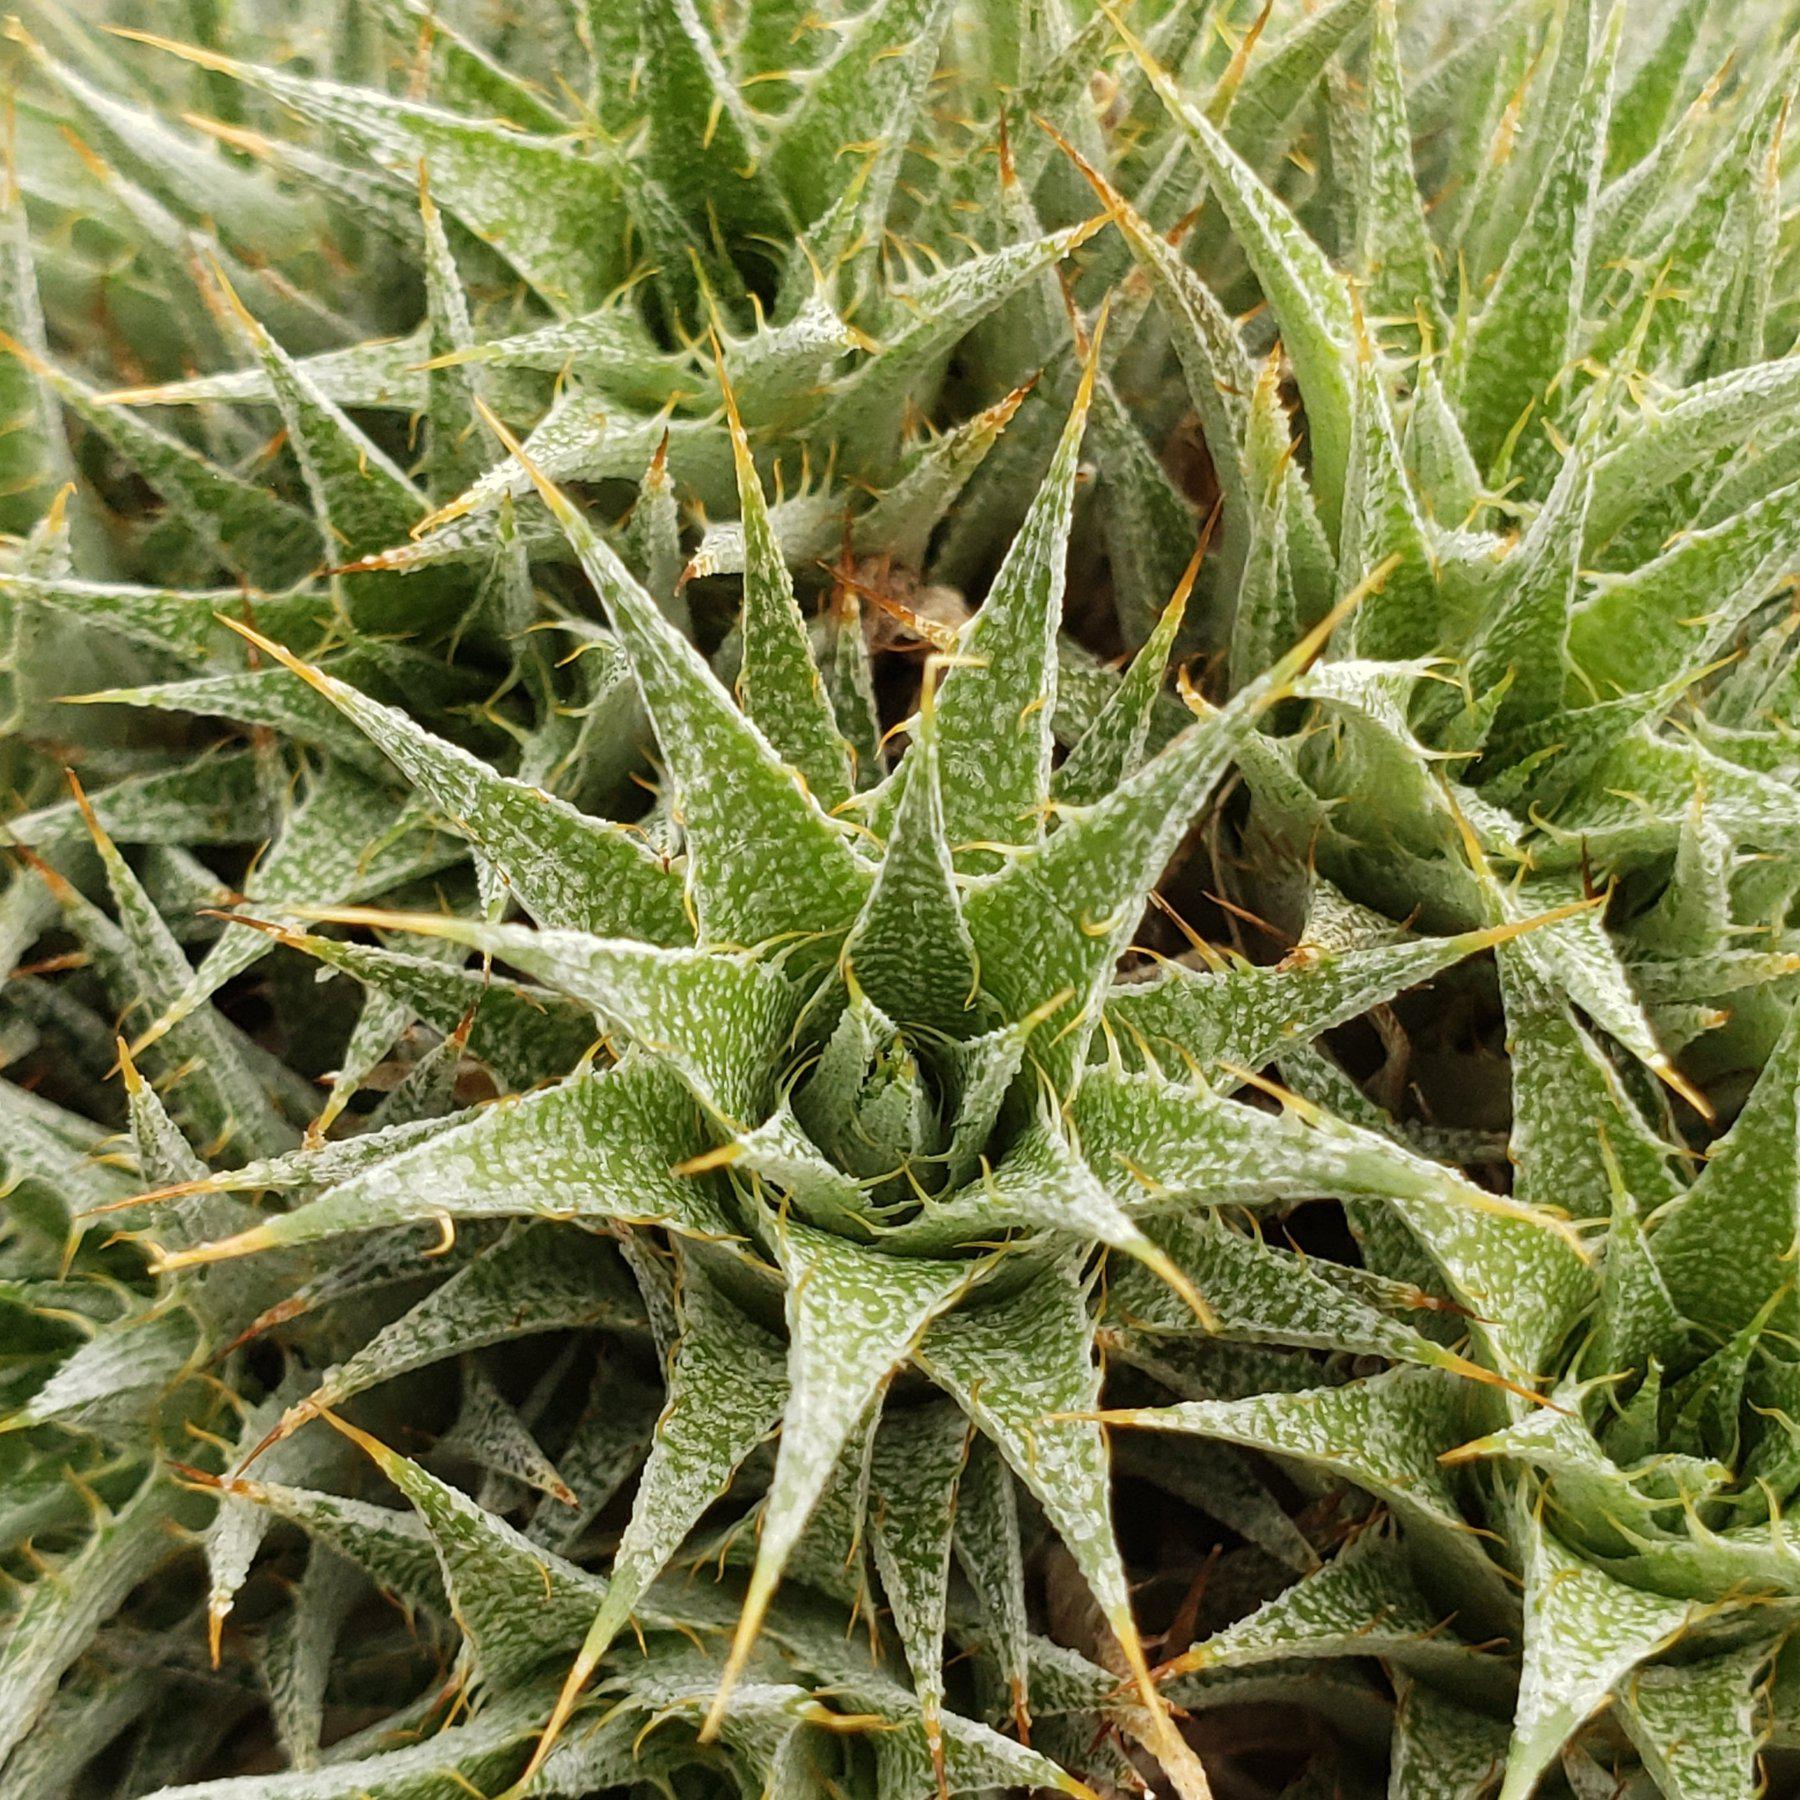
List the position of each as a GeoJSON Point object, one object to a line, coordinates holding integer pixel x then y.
{"type": "Point", "coordinates": [803, 1169]}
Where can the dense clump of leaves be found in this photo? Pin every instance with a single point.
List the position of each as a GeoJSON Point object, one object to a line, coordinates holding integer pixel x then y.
{"type": "Point", "coordinates": [724, 1205]}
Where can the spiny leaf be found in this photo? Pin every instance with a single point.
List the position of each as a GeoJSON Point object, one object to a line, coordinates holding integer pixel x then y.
{"type": "Point", "coordinates": [552, 214]}
{"type": "Point", "coordinates": [780, 683]}
{"type": "Point", "coordinates": [1112, 747]}
{"type": "Point", "coordinates": [852, 1316]}
{"type": "Point", "coordinates": [1584, 1634]}
{"type": "Point", "coordinates": [918, 1462]}
{"type": "Point", "coordinates": [1303, 290]}
{"type": "Point", "coordinates": [763, 861]}
{"type": "Point", "coordinates": [727, 1387]}
{"type": "Point", "coordinates": [909, 949]}
{"type": "Point", "coordinates": [603, 1145]}
{"type": "Point", "coordinates": [995, 708]}
{"type": "Point", "coordinates": [1723, 1248]}
{"type": "Point", "coordinates": [56, 1617]}
{"type": "Point", "coordinates": [572, 871]}
{"type": "Point", "coordinates": [1525, 332]}
{"type": "Point", "coordinates": [1023, 1370]}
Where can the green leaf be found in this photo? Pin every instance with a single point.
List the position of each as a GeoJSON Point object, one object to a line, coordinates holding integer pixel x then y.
{"type": "Point", "coordinates": [1525, 333]}
{"type": "Point", "coordinates": [1112, 747]}
{"type": "Point", "coordinates": [58, 1614]}
{"type": "Point", "coordinates": [551, 214]}
{"type": "Point", "coordinates": [215, 1089]}
{"type": "Point", "coordinates": [300, 1648]}
{"type": "Point", "coordinates": [997, 701]}
{"type": "Point", "coordinates": [1395, 252]}
{"type": "Point", "coordinates": [918, 1462]}
{"type": "Point", "coordinates": [727, 1387]}
{"type": "Point", "coordinates": [763, 860]}
{"type": "Point", "coordinates": [1248, 1015]}
{"type": "Point", "coordinates": [703, 145]}
{"type": "Point", "coordinates": [782, 690]}
{"type": "Point", "coordinates": [1722, 1248]}
{"type": "Point", "coordinates": [539, 1277]}
{"type": "Point", "coordinates": [1584, 1634]}
{"type": "Point", "coordinates": [1385, 1434]}
{"type": "Point", "coordinates": [1522, 1273]}
{"type": "Point", "coordinates": [34, 454]}
{"type": "Point", "coordinates": [1698, 1725]}
{"type": "Point", "coordinates": [852, 1317]}
{"type": "Point", "coordinates": [1273, 1296]}
{"type": "Point", "coordinates": [1641, 117]}
{"type": "Point", "coordinates": [1573, 1119]}
{"type": "Point", "coordinates": [1304, 292]}
{"type": "Point", "coordinates": [865, 412]}
{"type": "Point", "coordinates": [1262, 109]}
{"type": "Point", "coordinates": [1364, 1602]}
{"type": "Point", "coordinates": [1443, 1750]}
{"type": "Point", "coordinates": [1384, 530]}
{"type": "Point", "coordinates": [1023, 1369]}
{"type": "Point", "coordinates": [1681, 433]}
{"type": "Point", "coordinates": [569, 870]}
{"type": "Point", "coordinates": [869, 92]}
{"type": "Point", "coordinates": [991, 1556]}
{"type": "Point", "coordinates": [362, 500]}
{"type": "Point", "coordinates": [241, 523]}
{"type": "Point", "coordinates": [909, 949]}
{"type": "Point", "coordinates": [1687, 606]}
{"type": "Point", "coordinates": [1050, 927]}
{"type": "Point", "coordinates": [603, 1146]}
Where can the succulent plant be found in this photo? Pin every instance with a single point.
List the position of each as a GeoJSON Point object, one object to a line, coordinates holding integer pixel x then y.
{"type": "Point", "coordinates": [759, 1166]}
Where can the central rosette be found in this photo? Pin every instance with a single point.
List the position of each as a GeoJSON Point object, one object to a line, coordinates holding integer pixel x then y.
{"type": "Point", "coordinates": [874, 1103]}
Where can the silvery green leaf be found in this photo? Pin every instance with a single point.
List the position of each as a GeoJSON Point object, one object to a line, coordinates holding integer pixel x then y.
{"type": "Point", "coordinates": [909, 949]}
{"type": "Point", "coordinates": [297, 1656]}
{"type": "Point", "coordinates": [1720, 1247]}
{"type": "Point", "coordinates": [1684, 431]}
{"type": "Point", "coordinates": [1023, 1369]}
{"type": "Point", "coordinates": [489, 1432]}
{"type": "Point", "coordinates": [213, 1087]}
{"type": "Point", "coordinates": [483, 1752]}
{"type": "Point", "coordinates": [782, 689]}
{"type": "Point", "coordinates": [763, 860]}
{"type": "Point", "coordinates": [243, 525]}
{"type": "Point", "coordinates": [1049, 927]}
{"type": "Point", "coordinates": [1584, 1635]}
{"type": "Point", "coordinates": [1525, 332]}
{"type": "Point", "coordinates": [1304, 292]}
{"type": "Point", "coordinates": [603, 1146]}
{"type": "Point", "coordinates": [1442, 1749]}
{"type": "Point", "coordinates": [1394, 245]}
{"type": "Point", "coordinates": [1698, 1724]}
{"type": "Point", "coordinates": [531, 196]}
{"type": "Point", "coordinates": [1522, 1273]}
{"type": "Point", "coordinates": [1640, 629]}
{"type": "Point", "coordinates": [996, 703]}
{"type": "Point", "coordinates": [727, 1388]}
{"type": "Point", "coordinates": [1247, 1014]}
{"type": "Point", "coordinates": [1363, 1602]}
{"type": "Point", "coordinates": [1112, 747]}
{"type": "Point", "coordinates": [1383, 528]}
{"type": "Point", "coordinates": [869, 93]}
{"type": "Point", "coordinates": [56, 1616]}
{"type": "Point", "coordinates": [539, 1277]}
{"type": "Point", "coordinates": [1385, 1434]}
{"type": "Point", "coordinates": [525, 1034]}
{"type": "Point", "coordinates": [568, 869]}
{"type": "Point", "coordinates": [723, 1019]}
{"type": "Point", "coordinates": [853, 1314]}
{"type": "Point", "coordinates": [918, 1462]}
